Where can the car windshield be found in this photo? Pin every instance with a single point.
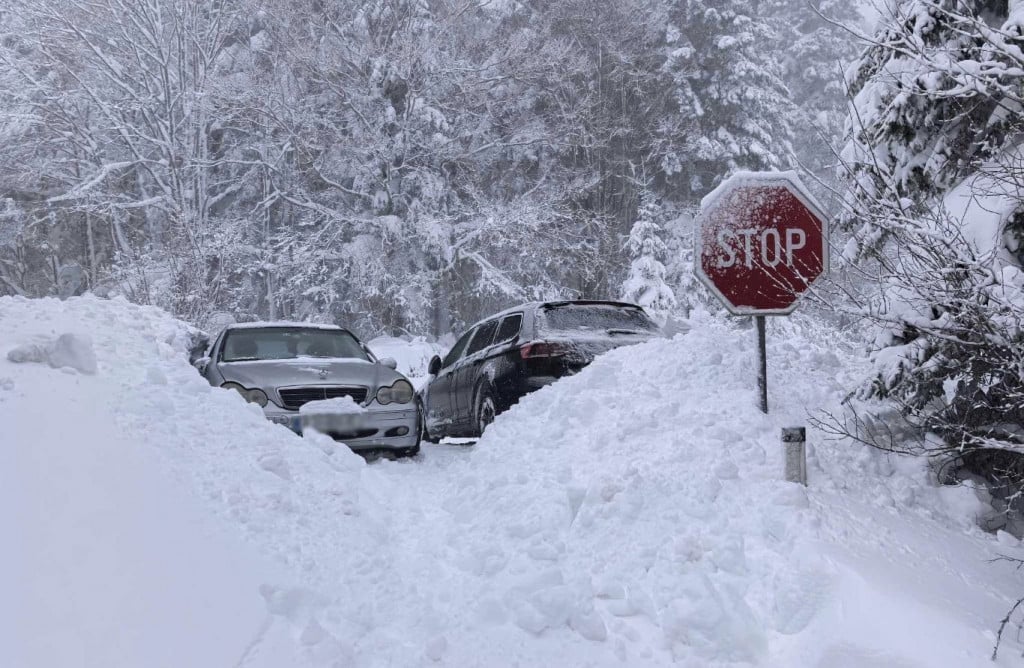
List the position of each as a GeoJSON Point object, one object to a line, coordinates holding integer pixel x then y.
{"type": "Point", "coordinates": [597, 318]}
{"type": "Point", "coordinates": [282, 343]}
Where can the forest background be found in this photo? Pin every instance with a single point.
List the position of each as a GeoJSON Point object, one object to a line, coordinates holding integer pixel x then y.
{"type": "Point", "coordinates": [396, 166]}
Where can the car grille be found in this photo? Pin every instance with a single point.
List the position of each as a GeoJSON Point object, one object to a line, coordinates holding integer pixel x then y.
{"type": "Point", "coordinates": [294, 397]}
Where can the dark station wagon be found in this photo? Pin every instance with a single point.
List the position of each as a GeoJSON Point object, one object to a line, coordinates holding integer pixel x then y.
{"type": "Point", "coordinates": [520, 350]}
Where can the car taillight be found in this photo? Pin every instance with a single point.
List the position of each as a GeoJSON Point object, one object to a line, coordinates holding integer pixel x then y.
{"type": "Point", "coordinates": [541, 349]}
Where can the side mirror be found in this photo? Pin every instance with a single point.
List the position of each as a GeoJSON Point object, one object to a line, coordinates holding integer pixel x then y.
{"type": "Point", "coordinates": [201, 364]}
{"type": "Point", "coordinates": [389, 362]}
{"type": "Point", "coordinates": [434, 366]}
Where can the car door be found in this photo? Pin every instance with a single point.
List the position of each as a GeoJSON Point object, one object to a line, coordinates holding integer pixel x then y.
{"type": "Point", "coordinates": [467, 372]}
{"type": "Point", "coordinates": [439, 392]}
{"type": "Point", "coordinates": [502, 365]}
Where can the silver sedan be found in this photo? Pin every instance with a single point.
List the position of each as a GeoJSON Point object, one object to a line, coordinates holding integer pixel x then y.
{"type": "Point", "coordinates": [321, 377]}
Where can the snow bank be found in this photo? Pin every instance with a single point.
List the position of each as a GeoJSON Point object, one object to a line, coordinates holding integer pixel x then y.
{"type": "Point", "coordinates": [108, 562]}
{"type": "Point", "coordinates": [630, 515]}
{"type": "Point", "coordinates": [69, 351]}
{"type": "Point", "coordinates": [640, 505]}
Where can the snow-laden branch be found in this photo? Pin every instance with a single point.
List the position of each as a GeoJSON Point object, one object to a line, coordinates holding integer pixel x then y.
{"type": "Point", "coordinates": [84, 189]}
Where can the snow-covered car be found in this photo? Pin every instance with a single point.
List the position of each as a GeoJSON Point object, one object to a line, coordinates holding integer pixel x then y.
{"type": "Point", "coordinates": [517, 351]}
{"type": "Point", "coordinates": [308, 376]}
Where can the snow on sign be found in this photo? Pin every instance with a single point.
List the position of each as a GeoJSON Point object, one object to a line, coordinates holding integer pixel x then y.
{"type": "Point", "coordinates": [762, 240]}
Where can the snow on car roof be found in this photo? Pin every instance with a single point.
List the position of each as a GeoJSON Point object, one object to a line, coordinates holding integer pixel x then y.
{"type": "Point", "coordinates": [281, 323]}
{"type": "Point", "coordinates": [552, 303]}
{"type": "Point", "coordinates": [508, 311]}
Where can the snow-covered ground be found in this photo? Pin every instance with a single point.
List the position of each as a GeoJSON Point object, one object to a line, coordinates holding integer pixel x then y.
{"type": "Point", "coordinates": [631, 515]}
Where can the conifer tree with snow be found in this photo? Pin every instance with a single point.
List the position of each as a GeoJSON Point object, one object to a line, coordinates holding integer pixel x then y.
{"type": "Point", "coordinates": [645, 285]}
{"type": "Point", "coordinates": [691, 294]}
{"type": "Point", "coordinates": [934, 215]}
{"type": "Point", "coordinates": [733, 110]}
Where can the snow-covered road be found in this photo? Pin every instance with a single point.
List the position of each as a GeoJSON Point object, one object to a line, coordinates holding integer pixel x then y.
{"type": "Point", "coordinates": [629, 515]}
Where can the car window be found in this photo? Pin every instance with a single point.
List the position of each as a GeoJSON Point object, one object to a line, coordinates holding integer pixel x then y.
{"type": "Point", "coordinates": [484, 333]}
{"type": "Point", "coordinates": [457, 349]}
{"type": "Point", "coordinates": [509, 328]}
{"type": "Point", "coordinates": [597, 318]}
{"type": "Point", "coordinates": [281, 343]}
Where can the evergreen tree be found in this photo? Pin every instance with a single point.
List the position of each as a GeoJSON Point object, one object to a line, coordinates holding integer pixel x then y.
{"type": "Point", "coordinates": [934, 97]}
{"type": "Point", "coordinates": [645, 285]}
{"type": "Point", "coordinates": [732, 109]}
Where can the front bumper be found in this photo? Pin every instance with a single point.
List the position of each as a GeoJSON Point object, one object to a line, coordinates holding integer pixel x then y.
{"type": "Point", "coordinates": [380, 429]}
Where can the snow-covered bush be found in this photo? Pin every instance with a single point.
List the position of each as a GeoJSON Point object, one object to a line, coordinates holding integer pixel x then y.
{"type": "Point", "coordinates": [933, 215]}
{"type": "Point", "coordinates": [935, 218]}
{"type": "Point", "coordinates": [950, 346]}
{"type": "Point", "coordinates": [935, 222]}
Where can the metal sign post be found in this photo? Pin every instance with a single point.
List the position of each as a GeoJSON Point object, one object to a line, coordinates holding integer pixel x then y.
{"type": "Point", "coordinates": [762, 365]}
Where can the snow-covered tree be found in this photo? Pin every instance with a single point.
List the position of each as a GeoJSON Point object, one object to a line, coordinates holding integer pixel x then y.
{"type": "Point", "coordinates": [645, 285]}
{"type": "Point", "coordinates": [814, 45]}
{"type": "Point", "coordinates": [400, 165]}
{"type": "Point", "coordinates": [732, 109]}
{"type": "Point", "coordinates": [934, 215]}
{"type": "Point", "coordinates": [680, 266]}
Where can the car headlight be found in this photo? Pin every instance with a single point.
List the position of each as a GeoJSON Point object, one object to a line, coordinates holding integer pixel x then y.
{"type": "Point", "coordinates": [400, 392]}
{"type": "Point", "coordinates": [252, 396]}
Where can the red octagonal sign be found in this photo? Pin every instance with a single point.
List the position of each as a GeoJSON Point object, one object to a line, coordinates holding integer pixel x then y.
{"type": "Point", "coordinates": [761, 241]}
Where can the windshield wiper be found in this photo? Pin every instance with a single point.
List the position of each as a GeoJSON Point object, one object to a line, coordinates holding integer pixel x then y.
{"type": "Point", "coordinates": [624, 331]}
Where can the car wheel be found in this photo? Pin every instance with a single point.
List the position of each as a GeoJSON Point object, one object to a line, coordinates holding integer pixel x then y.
{"type": "Point", "coordinates": [409, 452]}
{"type": "Point", "coordinates": [486, 410]}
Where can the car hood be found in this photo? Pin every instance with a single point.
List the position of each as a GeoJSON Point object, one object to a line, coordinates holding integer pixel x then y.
{"type": "Point", "coordinates": [268, 375]}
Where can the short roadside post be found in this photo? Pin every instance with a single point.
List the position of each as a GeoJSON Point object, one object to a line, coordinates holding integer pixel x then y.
{"type": "Point", "coordinates": [761, 241]}
{"type": "Point", "coordinates": [794, 441]}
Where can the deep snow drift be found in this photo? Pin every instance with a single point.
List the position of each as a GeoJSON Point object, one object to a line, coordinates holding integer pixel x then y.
{"type": "Point", "coordinates": [630, 515]}
{"type": "Point", "coordinates": [106, 561]}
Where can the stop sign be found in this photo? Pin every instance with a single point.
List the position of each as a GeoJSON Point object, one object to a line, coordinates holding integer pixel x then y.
{"type": "Point", "coordinates": [761, 241]}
